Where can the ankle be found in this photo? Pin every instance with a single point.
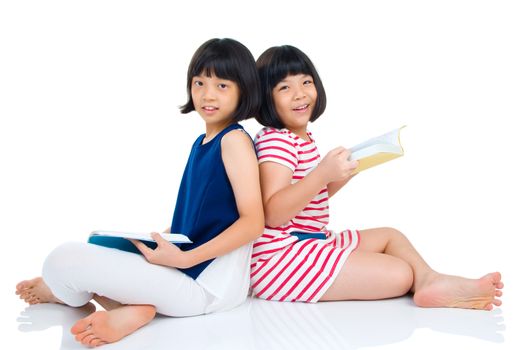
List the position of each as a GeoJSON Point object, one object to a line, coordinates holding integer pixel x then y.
{"type": "Point", "coordinates": [424, 279]}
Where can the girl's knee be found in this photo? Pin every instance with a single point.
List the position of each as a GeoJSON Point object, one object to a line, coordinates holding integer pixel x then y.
{"type": "Point", "coordinates": [393, 233]}
{"type": "Point", "coordinates": [62, 257]}
{"type": "Point", "coordinates": [58, 272]}
{"type": "Point", "coordinates": [403, 276]}
{"type": "Point", "coordinates": [58, 254]}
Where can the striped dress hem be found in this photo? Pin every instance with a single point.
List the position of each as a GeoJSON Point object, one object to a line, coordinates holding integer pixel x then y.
{"type": "Point", "coordinates": [283, 266]}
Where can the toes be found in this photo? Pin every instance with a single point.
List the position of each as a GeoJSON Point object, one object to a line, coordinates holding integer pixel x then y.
{"type": "Point", "coordinates": [495, 302]}
{"type": "Point", "coordinates": [22, 285]}
{"type": "Point", "coordinates": [498, 293]}
{"type": "Point", "coordinates": [81, 325]}
{"type": "Point", "coordinates": [27, 284]}
{"type": "Point", "coordinates": [84, 335]}
{"type": "Point", "coordinates": [499, 285]}
{"type": "Point", "coordinates": [24, 294]}
{"type": "Point", "coordinates": [87, 339]}
{"type": "Point", "coordinates": [32, 299]}
{"type": "Point", "coordinates": [95, 342]}
{"type": "Point", "coordinates": [99, 343]}
{"type": "Point", "coordinates": [496, 278]}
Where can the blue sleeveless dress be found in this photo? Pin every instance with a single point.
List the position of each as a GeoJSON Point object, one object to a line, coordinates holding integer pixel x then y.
{"type": "Point", "coordinates": [206, 203]}
{"type": "Point", "coordinates": [205, 206]}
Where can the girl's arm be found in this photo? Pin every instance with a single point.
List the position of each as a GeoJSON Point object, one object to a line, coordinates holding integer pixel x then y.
{"type": "Point", "coordinates": [241, 166]}
{"type": "Point", "coordinates": [283, 200]}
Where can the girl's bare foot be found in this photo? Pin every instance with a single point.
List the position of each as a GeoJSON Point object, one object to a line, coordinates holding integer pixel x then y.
{"type": "Point", "coordinates": [452, 291]}
{"type": "Point", "coordinates": [36, 291]}
{"type": "Point", "coordinates": [104, 327]}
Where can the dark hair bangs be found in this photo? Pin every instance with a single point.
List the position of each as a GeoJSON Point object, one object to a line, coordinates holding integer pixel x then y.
{"type": "Point", "coordinates": [215, 64]}
{"type": "Point", "coordinates": [287, 62]}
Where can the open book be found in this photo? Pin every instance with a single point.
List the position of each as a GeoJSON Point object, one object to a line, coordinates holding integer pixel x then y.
{"type": "Point", "coordinates": [171, 237]}
{"type": "Point", "coordinates": [377, 150]}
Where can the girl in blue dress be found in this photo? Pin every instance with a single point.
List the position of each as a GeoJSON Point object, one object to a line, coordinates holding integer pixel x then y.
{"type": "Point", "coordinates": [219, 207]}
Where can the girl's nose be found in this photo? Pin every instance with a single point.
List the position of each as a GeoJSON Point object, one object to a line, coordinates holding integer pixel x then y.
{"type": "Point", "coordinates": [208, 94]}
{"type": "Point", "coordinates": [299, 94]}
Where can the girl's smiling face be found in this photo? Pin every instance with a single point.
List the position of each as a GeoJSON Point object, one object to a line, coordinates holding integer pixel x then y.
{"type": "Point", "coordinates": [215, 99]}
{"type": "Point", "coordinates": [294, 98]}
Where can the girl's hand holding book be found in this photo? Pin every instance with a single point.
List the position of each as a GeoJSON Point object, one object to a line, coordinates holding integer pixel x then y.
{"type": "Point", "coordinates": [336, 165]}
{"type": "Point", "coordinates": [166, 253]}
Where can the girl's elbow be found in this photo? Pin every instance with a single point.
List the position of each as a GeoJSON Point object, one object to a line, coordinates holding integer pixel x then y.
{"type": "Point", "coordinates": [273, 221]}
{"type": "Point", "coordinates": [258, 228]}
{"type": "Point", "coordinates": [273, 218]}
{"type": "Point", "coordinates": [254, 226]}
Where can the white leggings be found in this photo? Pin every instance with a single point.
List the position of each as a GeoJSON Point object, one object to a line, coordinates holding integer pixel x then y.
{"type": "Point", "coordinates": [75, 271]}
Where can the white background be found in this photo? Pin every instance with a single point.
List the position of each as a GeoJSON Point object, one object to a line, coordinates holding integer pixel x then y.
{"type": "Point", "coordinates": [91, 136]}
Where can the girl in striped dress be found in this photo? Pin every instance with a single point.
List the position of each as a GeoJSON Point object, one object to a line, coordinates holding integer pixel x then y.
{"type": "Point", "coordinates": [298, 258]}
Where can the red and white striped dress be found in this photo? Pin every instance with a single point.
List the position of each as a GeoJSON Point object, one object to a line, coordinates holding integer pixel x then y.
{"type": "Point", "coordinates": [284, 268]}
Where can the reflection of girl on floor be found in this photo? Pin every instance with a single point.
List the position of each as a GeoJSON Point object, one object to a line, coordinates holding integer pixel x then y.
{"type": "Point", "coordinates": [360, 324]}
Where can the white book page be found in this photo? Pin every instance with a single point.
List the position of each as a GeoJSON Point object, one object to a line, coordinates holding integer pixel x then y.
{"type": "Point", "coordinates": [171, 237]}
{"type": "Point", "coordinates": [390, 138]}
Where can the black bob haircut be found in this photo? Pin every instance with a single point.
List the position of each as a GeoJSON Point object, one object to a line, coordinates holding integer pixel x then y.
{"type": "Point", "coordinates": [227, 59]}
{"type": "Point", "coordinates": [275, 64]}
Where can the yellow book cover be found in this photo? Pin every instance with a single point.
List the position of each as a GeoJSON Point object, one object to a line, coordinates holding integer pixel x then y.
{"type": "Point", "coordinates": [377, 150]}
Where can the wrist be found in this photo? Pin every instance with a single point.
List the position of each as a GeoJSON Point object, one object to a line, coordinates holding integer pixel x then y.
{"type": "Point", "coordinates": [188, 259]}
{"type": "Point", "coordinates": [321, 175]}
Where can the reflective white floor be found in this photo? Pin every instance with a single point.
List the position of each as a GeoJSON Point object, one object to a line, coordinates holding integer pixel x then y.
{"type": "Point", "coordinates": [91, 138]}
{"type": "Point", "coordinates": [269, 325]}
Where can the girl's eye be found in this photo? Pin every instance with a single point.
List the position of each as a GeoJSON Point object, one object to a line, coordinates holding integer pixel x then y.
{"type": "Point", "coordinates": [222, 86]}
{"type": "Point", "coordinates": [307, 82]}
{"type": "Point", "coordinates": [198, 83]}
{"type": "Point", "coordinates": [283, 88]}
